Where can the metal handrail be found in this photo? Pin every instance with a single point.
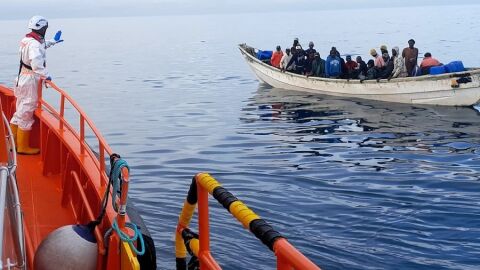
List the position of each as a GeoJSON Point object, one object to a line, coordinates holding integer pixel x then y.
{"type": "Point", "coordinates": [3, 200]}
{"type": "Point", "coordinates": [18, 217]}
{"type": "Point", "coordinates": [14, 206]}
{"type": "Point", "coordinates": [12, 158]}
{"type": "Point", "coordinates": [83, 118]}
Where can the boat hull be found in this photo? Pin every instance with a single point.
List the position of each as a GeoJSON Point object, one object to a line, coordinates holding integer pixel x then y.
{"type": "Point", "coordinates": [433, 90]}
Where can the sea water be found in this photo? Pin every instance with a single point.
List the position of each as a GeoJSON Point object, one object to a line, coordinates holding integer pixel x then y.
{"type": "Point", "coordinates": [353, 184]}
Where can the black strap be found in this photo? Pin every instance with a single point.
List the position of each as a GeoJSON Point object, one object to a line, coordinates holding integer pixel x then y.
{"type": "Point", "coordinates": [22, 64]}
{"type": "Point", "coordinates": [92, 224]}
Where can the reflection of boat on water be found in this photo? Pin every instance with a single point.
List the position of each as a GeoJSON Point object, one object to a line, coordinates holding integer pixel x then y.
{"type": "Point", "coordinates": [324, 131]}
{"type": "Point", "coordinates": [329, 116]}
{"type": "Point", "coordinates": [303, 106]}
{"type": "Point", "coordinates": [433, 90]}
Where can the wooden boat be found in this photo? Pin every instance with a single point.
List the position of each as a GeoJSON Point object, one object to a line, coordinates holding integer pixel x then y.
{"type": "Point", "coordinates": [44, 198]}
{"type": "Point", "coordinates": [441, 89]}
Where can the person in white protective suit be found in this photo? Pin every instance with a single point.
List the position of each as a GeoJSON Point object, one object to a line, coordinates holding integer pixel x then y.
{"type": "Point", "coordinates": [31, 71]}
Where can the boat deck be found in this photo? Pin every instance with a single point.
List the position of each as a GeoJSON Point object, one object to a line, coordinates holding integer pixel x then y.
{"type": "Point", "coordinates": [42, 211]}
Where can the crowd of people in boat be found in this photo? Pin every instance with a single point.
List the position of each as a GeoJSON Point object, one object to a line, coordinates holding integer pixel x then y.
{"type": "Point", "coordinates": [382, 65]}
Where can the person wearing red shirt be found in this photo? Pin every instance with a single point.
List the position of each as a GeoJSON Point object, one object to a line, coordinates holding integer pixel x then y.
{"type": "Point", "coordinates": [428, 62]}
{"type": "Point", "coordinates": [351, 67]}
{"type": "Point", "coordinates": [276, 57]}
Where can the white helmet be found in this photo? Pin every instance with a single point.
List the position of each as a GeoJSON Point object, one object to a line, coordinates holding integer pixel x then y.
{"type": "Point", "coordinates": [37, 23]}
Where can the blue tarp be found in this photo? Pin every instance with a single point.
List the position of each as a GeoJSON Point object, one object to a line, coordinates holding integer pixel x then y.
{"type": "Point", "coordinates": [264, 55]}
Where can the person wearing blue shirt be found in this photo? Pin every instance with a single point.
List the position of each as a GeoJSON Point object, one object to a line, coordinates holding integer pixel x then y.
{"type": "Point", "coordinates": [333, 66]}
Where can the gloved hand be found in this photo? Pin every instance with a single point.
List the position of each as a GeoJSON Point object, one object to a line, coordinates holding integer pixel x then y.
{"type": "Point", "coordinates": [56, 39]}
{"type": "Point", "coordinates": [58, 36]}
{"type": "Point", "coordinates": [48, 78]}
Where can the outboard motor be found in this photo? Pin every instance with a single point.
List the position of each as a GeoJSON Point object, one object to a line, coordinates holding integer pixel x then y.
{"type": "Point", "coordinates": [69, 247]}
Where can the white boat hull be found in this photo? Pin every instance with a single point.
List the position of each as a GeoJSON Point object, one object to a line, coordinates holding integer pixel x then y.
{"type": "Point", "coordinates": [429, 89]}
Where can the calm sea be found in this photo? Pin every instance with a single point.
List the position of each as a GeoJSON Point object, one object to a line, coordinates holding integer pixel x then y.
{"type": "Point", "coordinates": [353, 184]}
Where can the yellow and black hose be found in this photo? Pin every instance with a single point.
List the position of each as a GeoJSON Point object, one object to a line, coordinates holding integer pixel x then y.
{"type": "Point", "coordinates": [183, 221]}
{"type": "Point", "coordinates": [249, 219]}
{"type": "Point", "coordinates": [258, 226]}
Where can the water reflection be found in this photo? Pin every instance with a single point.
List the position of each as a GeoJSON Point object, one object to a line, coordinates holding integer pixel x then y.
{"type": "Point", "coordinates": [395, 181]}
{"type": "Point", "coordinates": [371, 124]}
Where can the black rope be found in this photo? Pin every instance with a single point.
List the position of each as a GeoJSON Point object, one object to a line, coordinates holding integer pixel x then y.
{"type": "Point", "coordinates": [20, 68]}
{"type": "Point", "coordinates": [188, 235]}
{"type": "Point", "coordinates": [94, 223]}
{"type": "Point", "coordinates": [193, 264]}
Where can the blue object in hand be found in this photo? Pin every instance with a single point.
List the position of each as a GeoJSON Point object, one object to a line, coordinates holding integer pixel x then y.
{"type": "Point", "coordinates": [58, 37]}
{"type": "Point", "coordinates": [48, 78]}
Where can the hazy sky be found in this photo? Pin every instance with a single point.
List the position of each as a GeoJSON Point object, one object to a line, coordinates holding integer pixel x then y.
{"type": "Point", "coordinates": [21, 9]}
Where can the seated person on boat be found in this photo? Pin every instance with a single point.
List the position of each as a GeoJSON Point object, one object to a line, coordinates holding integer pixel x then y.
{"type": "Point", "coordinates": [333, 65]}
{"type": "Point", "coordinates": [378, 59]}
{"type": "Point", "coordinates": [298, 60]}
{"type": "Point", "coordinates": [310, 49]}
{"type": "Point", "coordinates": [387, 70]}
{"type": "Point", "coordinates": [399, 69]}
{"type": "Point", "coordinates": [276, 57]}
{"type": "Point", "coordinates": [351, 68]}
{"type": "Point", "coordinates": [318, 66]}
{"type": "Point", "coordinates": [361, 68]}
{"type": "Point", "coordinates": [372, 72]}
{"type": "Point", "coordinates": [428, 62]}
{"type": "Point", "coordinates": [285, 60]}
{"type": "Point", "coordinates": [384, 50]}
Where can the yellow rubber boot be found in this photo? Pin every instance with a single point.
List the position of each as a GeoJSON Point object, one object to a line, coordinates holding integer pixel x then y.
{"type": "Point", "coordinates": [14, 129]}
{"type": "Point", "coordinates": [23, 143]}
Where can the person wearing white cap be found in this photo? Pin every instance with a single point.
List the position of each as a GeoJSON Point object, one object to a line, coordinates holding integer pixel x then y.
{"type": "Point", "coordinates": [32, 69]}
{"type": "Point", "coordinates": [379, 62]}
{"type": "Point", "coordinates": [384, 50]}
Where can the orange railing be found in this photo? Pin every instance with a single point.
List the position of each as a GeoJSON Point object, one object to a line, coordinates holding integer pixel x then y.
{"type": "Point", "coordinates": [113, 258]}
{"type": "Point", "coordinates": [83, 118]}
{"type": "Point", "coordinates": [288, 257]}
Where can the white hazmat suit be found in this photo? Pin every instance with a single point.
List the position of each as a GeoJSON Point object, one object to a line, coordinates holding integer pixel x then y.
{"type": "Point", "coordinates": [33, 54]}
{"type": "Point", "coordinates": [31, 71]}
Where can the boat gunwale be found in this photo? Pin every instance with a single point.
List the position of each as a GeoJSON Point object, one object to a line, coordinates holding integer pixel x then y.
{"type": "Point", "coordinates": [468, 72]}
